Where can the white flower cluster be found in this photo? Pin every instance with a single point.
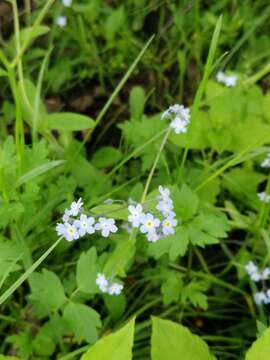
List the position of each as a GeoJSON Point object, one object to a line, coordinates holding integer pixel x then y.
{"type": "Point", "coordinates": [255, 274]}
{"type": "Point", "coordinates": [76, 224]}
{"type": "Point", "coordinates": [260, 297]}
{"type": "Point", "coordinates": [264, 197]}
{"type": "Point", "coordinates": [153, 227]}
{"type": "Point", "coordinates": [266, 162]}
{"type": "Point", "coordinates": [227, 80]}
{"type": "Point", "coordinates": [108, 287]}
{"type": "Point", "coordinates": [180, 117]}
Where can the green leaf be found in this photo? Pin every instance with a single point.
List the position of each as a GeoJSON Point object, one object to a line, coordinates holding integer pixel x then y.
{"type": "Point", "coordinates": [83, 321]}
{"type": "Point", "coordinates": [10, 253]}
{"type": "Point", "coordinates": [117, 346]}
{"type": "Point", "coordinates": [3, 357]}
{"type": "Point", "coordinates": [27, 95]}
{"type": "Point", "coordinates": [68, 121]}
{"type": "Point", "coordinates": [186, 202]}
{"type": "Point", "coordinates": [10, 212]}
{"type": "Point", "coordinates": [47, 293]}
{"type": "Point", "coordinates": [260, 348]}
{"type": "Point", "coordinates": [114, 23]}
{"type": "Point", "coordinates": [117, 211]}
{"type": "Point", "coordinates": [175, 245]}
{"type": "Point", "coordinates": [136, 102]}
{"type": "Point", "coordinates": [171, 288]}
{"type": "Point", "coordinates": [174, 341]}
{"type": "Point", "coordinates": [106, 156]}
{"type": "Point", "coordinates": [3, 73]}
{"type": "Point", "coordinates": [39, 170]}
{"type": "Point", "coordinates": [120, 258]}
{"type": "Point", "coordinates": [116, 305]}
{"type": "Point", "coordinates": [30, 33]}
{"type": "Point", "coordinates": [194, 293]}
{"type": "Point", "coordinates": [86, 271]}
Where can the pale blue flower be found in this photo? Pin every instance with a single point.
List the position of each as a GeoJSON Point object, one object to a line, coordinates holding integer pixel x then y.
{"type": "Point", "coordinates": [85, 225]}
{"type": "Point", "coordinates": [106, 226]}
{"type": "Point", "coordinates": [168, 226]}
{"type": "Point", "coordinates": [149, 223]}
{"type": "Point", "coordinates": [135, 215]}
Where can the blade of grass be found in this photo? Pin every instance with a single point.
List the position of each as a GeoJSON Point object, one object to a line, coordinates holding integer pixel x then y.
{"type": "Point", "coordinates": [201, 89]}
{"type": "Point", "coordinates": [37, 22]}
{"type": "Point", "coordinates": [27, 273]}
{"type": "Point", "coordinates": [112, 97]}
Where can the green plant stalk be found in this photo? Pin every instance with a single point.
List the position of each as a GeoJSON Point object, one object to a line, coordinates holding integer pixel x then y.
{"type": "Point", "coordinates": [150, 176]}
{"type": "Point", "coordinates": [37, 97]}
{"type": "Point", "coordinates": [27, 273]}
{"type": "Point", "coordinates": [19, 130]}
{"type": "Point", "coordinates": [221, 283]}
{"type": "Point", "coordinates": [112, 97]}
{"type": "Point", "coordinates": [37, 22]}
{"type": "Point", "coordinates": [232, 162]}
{"type": "Point", "coordinates": [201, 89]}
{"type": "Point", "coordinates": [134, 232]}
{"type": "Point", "coordinates": [264, 208]}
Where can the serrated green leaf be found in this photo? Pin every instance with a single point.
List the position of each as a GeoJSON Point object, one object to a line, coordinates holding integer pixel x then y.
{"type": "Point", "coordinates": [117, 346]}
{"type": "Point", "coordinates": [120, 258]}
{"type": "Point", "coordinates": [174, 341]}
{"type": "Point", "coordinates": [106, 156]}
{"type": "Point", "coordinates": [86, 271]}
{"type": "Point", "coordinates": [68, 121]}
{"type": "Point", "coordinates": [186, 202]}
{"type": "Point", "coordinates": [47, 293]}
{"type": "Point", "coordinates": [83, 321]}
{"type": "Point", "coordinates": [116, 305]}
{"type": "Point", "coordinates": [194, 292]}
{"type": "Point", "coordinates": [171, 288]}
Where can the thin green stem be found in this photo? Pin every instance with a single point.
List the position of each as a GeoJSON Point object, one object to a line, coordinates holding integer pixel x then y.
{"type": "Point", "coordinates": [27, 273]}
{"type": "Point", "coordinates": [150, 176]}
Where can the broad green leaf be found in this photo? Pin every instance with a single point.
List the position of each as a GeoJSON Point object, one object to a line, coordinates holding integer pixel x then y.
{"type": "Point", "coordinates": [68, 121]}
{"type": "Point", "coordinates": [10, 253]}
{"type": "Point", "coordinates": [114, 23]}
{"type": "Point", "coordinates": [116, 305]}
{"type": "Point", "coordinates": [47, 293]}
{"type": "Point", "coordinates": [174, 245]}
{"type": "Point", "coordinates": [86, 271]}
{"type": "Point", "coordinates": [3, 72]}
{"type": "Point", "coordinates": [117, 211]}
{"type": "Point", "coordinates": [194, 293]}
{"type": "Point", "coordinates": [10, 212]}
{"type": "Point", "coordinates": [120, 258]}
{"type": "Point", "coordinates": [83, 321]}
{"type": "Point", "coordinates": [174, 341]}
{"type": "Point", "coordinates": [117, 346]}
{"type": "Point", "coordinates": [186, 202]}
{"type": "Point", "coordinates": [27, 94]}
{"type": "Point", "coordinates": [171, 288]}
{"type": "Point", "coordinates": [28, 34]}
{"type": "Point", "coordinates": [260, 348]}
{"type": "Point", "coordinates": [3, 357]}
{"type": "Point", "coordinates": [136, 102]}
{"type": "Point", "coordinates": [106, 156]}
{"type": "Point", "coordinates": [39, 170]}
